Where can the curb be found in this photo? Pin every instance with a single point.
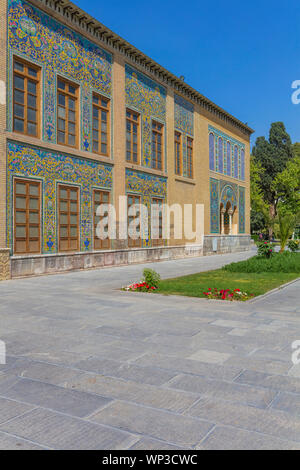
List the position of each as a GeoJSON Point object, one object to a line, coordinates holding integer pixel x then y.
{"type": "Point", "coordinates": [283, 286]}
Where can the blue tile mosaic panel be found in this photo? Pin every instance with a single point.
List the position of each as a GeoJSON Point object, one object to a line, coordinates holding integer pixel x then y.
{"type": "Point", "coordinates": [51, 169]}
{"type": "Point", "coordinates": [226, 155]}
{"type": "Point", "coordinates": [225, 192]}
{"type": "Point", "coordinates": [148, 98]}
{"type": "Point", "coordinates": [58, 50]}
{"type": "Point", "coordinates": [147, 186]}
{"type": "Point", "coordinates": [184, 123]}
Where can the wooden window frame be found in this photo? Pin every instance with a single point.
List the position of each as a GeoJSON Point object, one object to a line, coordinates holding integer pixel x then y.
{"type": "Point", "coordinates": [131, 242]}
{"type": "Point", "coordinates": [69, 238]}
{"type": "Point", "coordinates": [158, 241]}
{"type": "Point", "coordinates": [27, 211]}
{"type": "Point", "coordinates": [156, 132]}
{"type": "Point", "coordinates": [101, 108]}
{"type": "Point", "coordinates": [107, 241]}
{"type": "Point", "coordinates": [67, 95]}
{"type": "Point", "coordinates": [137, 122]}
{"type": "Point", "coordinates": [190, 159]}
{"type": "Point", "coordinates": [178, 148]}
{"type": "Point", "coordinates": [27, 77]}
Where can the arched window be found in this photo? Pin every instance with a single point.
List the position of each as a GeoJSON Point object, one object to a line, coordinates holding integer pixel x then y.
{"type": "Point", "coordinates": [242, 164]}
{"type": "Point", "coordinates": [228, 159]}
{"type": "Point", "coordinates": [211, 151]}
{"type": "Point", "coordinates": [236, 162]}
{"type": "Point", "coordinates": [220, 154]}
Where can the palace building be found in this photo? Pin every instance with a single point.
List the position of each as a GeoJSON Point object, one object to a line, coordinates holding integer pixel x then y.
{"type": "Point", "coordinates": [86, 118]}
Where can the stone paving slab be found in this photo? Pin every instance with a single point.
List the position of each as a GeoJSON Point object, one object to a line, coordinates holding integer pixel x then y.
{"type": "Point", "coordinates": [127, 371]}
{"type": "Point", "coordinates": [9, 442]}
{"type": "Point", "coordinates": [269, 422]}
{"type": "Point", "coordinates": [63, 432]}
{"type": "Point", "coordinates": [10, 409]}
{"type": "Point", "coordinates": [224, 438]}
{"type": "Point", "coordinates": [189, 366]}
{"type": "Point", "coordinates": [172, 428]}
{"type": "Point", "coordinates": [245, 394]}
{"type": "Point", "coordinates": [117, 370]}
{"type": "Point", "coordinates": [153, 444]}
{"type": "Point", "coordinates": [142, 394]}
{"type": "Point", "coordinates": [72, 402]}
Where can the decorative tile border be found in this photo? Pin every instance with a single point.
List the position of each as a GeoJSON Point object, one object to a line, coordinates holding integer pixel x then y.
{"type": "Point", "coordinates": [214, 206]}
{"type": "Point", "coordinates": [4, 264]}
{"type": "Point", "coordinates": [242, 221]}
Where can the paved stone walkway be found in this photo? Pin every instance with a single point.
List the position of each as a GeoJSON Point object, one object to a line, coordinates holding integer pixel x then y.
{"type": "Point", "coordinates": [92, 367]}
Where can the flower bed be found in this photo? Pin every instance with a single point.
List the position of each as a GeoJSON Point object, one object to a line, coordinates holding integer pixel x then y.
{"type": "Point", "coordinates": [227, 294]}
{"type": "Point", "coordinates": [140, 287]}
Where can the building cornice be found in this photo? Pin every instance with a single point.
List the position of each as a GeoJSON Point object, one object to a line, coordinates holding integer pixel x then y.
{"type": "Point", "coordinates": [69, 12]}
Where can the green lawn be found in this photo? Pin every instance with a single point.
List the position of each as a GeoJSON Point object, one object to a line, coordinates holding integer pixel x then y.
{"type": "Point", "coordinates": [252, 283]}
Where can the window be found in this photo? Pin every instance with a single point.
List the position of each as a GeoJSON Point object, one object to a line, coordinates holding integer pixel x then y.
{"type": "Point", "coordinates": [236, 162]}
{"type": "Point", "coordinates": [157, 222]}
{"type": "Point", "coordinates": [100, 197]}
{"type": "Point", "coordinates": [100, 125]}
{"type": "Point", "coordinates": [242, 164]}
{"type": "Point", "coordinates": [26, 216]}
{"type": "Point", "coordinates": [68, 218]}
{"type": "Point", "coordinates": [132, 136]}
{"type": "Point", "coordinates": [211, 152]}
{"type": "Point", "coordinates": [132, 200]}
{"type": "Point", "coordinates": [190, 171]}
{"type": "Point", "coordinates": [178, 154]}
{"type": "Point", "coordinates": [157, 138]}
{"type": "Point", "coordinates": [66, 113]}
{"type": "Point", "coordinates": [228, 159]}
{"type": "Point", "coordinates": [220, 154]}
{"type": "Point", "coordinates": [26, 98]}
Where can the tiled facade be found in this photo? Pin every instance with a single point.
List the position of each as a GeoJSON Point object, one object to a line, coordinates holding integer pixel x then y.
{"type": "Point", "coordinates": [62, 47]}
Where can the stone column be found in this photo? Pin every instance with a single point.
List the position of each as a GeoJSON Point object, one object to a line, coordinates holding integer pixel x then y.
{"type": "Point", "coordinates": [230, 212]}
{"type": "Point", "coordinates": [222, 220]}
{"type": "Point", "coordinates": [4, 264]}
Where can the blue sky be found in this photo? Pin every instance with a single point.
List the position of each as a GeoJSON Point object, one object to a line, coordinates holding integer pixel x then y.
{"type": "Point", "coordinates": [244, 56]}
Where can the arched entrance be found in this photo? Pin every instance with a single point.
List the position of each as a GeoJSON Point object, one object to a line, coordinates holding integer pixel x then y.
{"type": "Point", "coordinates": [228, 209]}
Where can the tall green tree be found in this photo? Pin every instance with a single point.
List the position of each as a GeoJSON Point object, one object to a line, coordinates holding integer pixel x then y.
{"type": "Point", "coordinates": [272, 156]}
{"type": "Point", "coordinates": [287, 186]}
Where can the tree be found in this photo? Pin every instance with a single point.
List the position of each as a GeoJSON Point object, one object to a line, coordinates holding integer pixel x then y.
{"type": "Point", "coordinates": [287, 186]}
{"type": "Point", "coordinates": [258, 206]}
{"type": "Point", "coordinates": [296, 149]}
{"type": "Point", "coordinates": [272, 157]}
{"type": "Point", "coordinates": [287, 222]}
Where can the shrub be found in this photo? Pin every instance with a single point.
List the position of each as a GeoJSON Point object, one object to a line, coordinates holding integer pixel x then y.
{"type": "Point", "coordinates": [285, 262]}
{"type": "Point", "coordinates": [294, 245]}
{"type": "Point", "coordinates": [150, 282]}
{"type": "Point", "coordinates": [265, 249]}
{"type": "Point", "coordinates": [151, 277]}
